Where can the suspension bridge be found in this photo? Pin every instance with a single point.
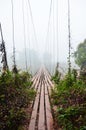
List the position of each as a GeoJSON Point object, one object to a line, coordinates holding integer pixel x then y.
{"type": "Point", "coordinates": [41, 116]}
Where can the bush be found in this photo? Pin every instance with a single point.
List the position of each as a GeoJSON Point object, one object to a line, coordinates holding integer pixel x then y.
{"type": "Point", "coordinates": [15, 96]}
{"type": "Point", "coordinates": [69, 101]}
{"type": "Point", "coordinates": [56, 78]}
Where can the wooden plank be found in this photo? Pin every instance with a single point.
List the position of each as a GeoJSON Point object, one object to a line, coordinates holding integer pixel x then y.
{"type": "Point", "coordinates": [48, 85]}
{"type": "Point", "coordinates": [41, 81]}
{"type": "Point", "coordinates": [41, 123]}
{"type": "Point", "coordinates": [34, 112]}
{"type": "Point", "coordinates": [49, 118]}
{"type": "Point", "coordinates": [38, 81]}
{"type": "Point", "coordinates": [47, 73]}
{"type": "Point", "coordinates": [49, 81]}
{"type": "Point", "coordinates": [33, 78]}
{"type": "Point", "coordinates": [37, 77]}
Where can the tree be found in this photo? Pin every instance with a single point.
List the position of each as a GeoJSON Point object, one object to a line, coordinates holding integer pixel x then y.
{"type": "Point", "coordinates": [80, 54]}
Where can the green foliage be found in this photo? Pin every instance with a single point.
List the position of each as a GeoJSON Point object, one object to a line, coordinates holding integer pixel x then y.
{"type": "Point", "coordinates": [56, 78]}
{"type": "Point", "coordinates": [80, 54]}
{"type": "Point", "coordinates": [72, 117]}
{"type": "Point", "coordinates": [15, 96]}
{"type": "Point", "coordinates": [69, 103]}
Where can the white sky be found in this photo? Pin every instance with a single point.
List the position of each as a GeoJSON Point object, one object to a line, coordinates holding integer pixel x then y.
{"type": "Point", "coordinates": [40, 12]}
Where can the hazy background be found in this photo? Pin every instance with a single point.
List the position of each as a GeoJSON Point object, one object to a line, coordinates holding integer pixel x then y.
{"type": "Point", "coordinates": [48, 49]}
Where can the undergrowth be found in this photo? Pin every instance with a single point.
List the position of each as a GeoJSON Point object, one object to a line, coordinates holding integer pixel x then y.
{"type": "Point", "coordinates": [15, 96]}
{"type": "Point", "coordinates": [69, 103]}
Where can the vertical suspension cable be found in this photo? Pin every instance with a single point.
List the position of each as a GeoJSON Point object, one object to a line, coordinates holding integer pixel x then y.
{"type": "Point", "coordinates": [53, 39]}
{"type": "Point", "coordinates": [49, 20]}
{"type": "Point", "coordinates": [14, 61]}
{"type": "Point", "coordinates": [29, 40]}
{"type": "Point", "coordinates": [69, 38]}
{"type": "Point", "coordinates": [24, 34]}
{"type": "Point", "coordinates": [33, 22]}
{"type": "Point", "coordinates": [48, 25]}
{"type": "Point", "coordinates": [57, 43]}
{"type": "Point", "coordinates": [31, 15]}
{"type": "Point", "coordinates": [51, 5]}
{"type": "Point", "coordinates": [57, 36]}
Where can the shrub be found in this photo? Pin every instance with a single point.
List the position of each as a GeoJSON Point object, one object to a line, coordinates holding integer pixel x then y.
{"type": "Point", "coordinates": [15, 96]}
{"type": "Point", "coordinates": [69, 101]}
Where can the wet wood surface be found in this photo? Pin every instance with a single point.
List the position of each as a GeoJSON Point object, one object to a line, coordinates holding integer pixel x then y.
{"type": "Point", "coordinates": [41, 117]}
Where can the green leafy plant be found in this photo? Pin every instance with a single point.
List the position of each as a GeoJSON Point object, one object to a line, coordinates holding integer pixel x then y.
{"type": "Point", "coordinates": [69, 103]}
{"type": "Point", "coordinates": [57, 76]}
{"type": "Point", "coordinates": [16, 95]}
{"type": "Point", "coordinates": [80, 54]}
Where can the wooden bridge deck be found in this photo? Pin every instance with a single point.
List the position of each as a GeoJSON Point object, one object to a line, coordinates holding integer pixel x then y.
{"type": "Point", "coordinates": [41, 118]}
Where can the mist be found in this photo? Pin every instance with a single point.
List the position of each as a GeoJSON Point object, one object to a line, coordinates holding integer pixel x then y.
{"type": "Point", "coordinates": [46, 39]}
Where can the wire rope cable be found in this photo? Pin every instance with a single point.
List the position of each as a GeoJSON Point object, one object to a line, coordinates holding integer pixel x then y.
{"type": "Point", "coordinates": [57, 33]}
{"type": "Point", "coordinates": [48, 22]}
{"type": "Point", "coordinates": [69, 39]}
{"type": "Point", "coordinates": [48, 27]}
{"type": "Point", "coordinates": [24, 34]}
{"type": "Point", "coordinates": [33, 22]}
{"type": "Point", "coordinates": [53, 46]}
{"type": "Point", "coordinates": [28, 37]}
{"type": "Point", "coordinates": [14, 61]}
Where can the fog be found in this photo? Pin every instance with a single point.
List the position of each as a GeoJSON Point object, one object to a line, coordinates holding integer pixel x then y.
{"type": "Point", "coordinates": [48, 44]}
